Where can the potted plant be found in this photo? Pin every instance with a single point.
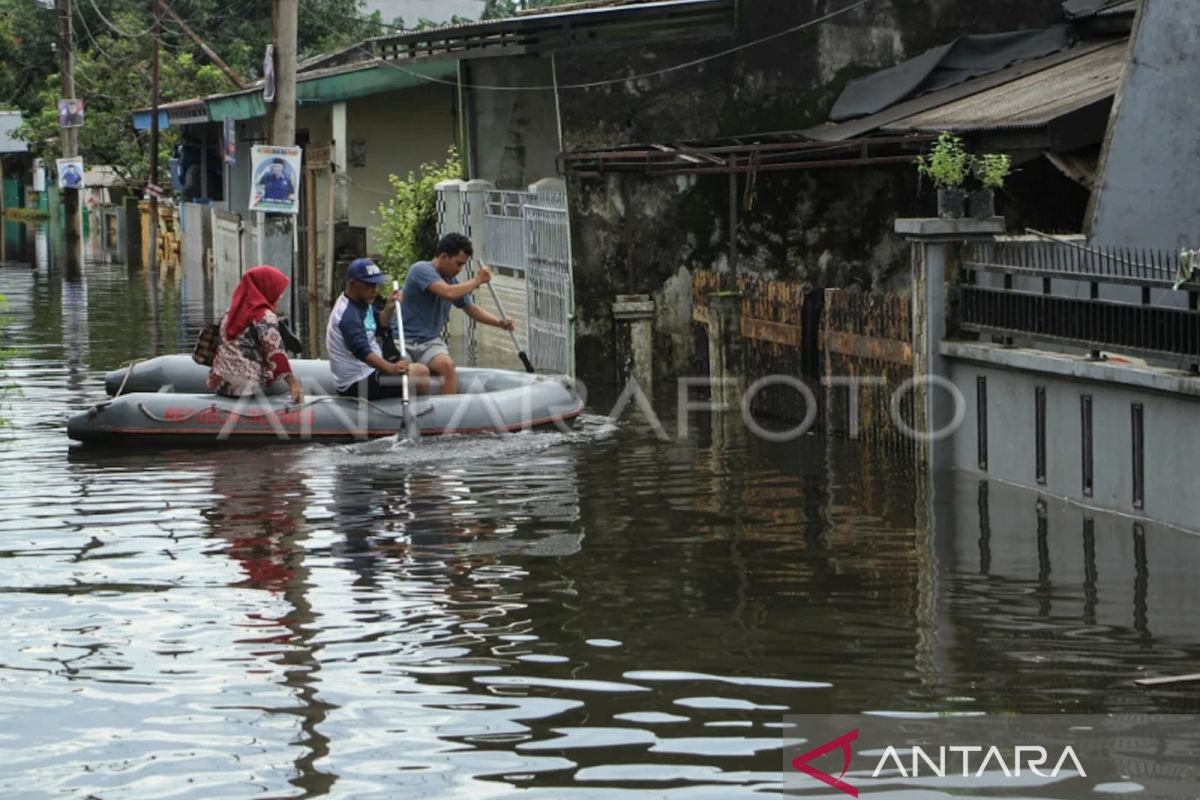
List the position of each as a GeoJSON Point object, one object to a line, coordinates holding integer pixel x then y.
{"type": "Point", "coordinates": [990, 169]}
{"type": "Point", "coordinates": [947, 165]}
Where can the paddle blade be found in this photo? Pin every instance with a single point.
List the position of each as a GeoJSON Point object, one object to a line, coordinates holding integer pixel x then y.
{"type": "Point", "coordinates": [525, 361]}
{"type": "Point", "coordinates": [412, 429]}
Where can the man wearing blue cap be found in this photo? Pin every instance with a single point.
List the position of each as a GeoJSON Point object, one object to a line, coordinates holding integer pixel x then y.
{"type": "Point", "coordinates": [355, 356]}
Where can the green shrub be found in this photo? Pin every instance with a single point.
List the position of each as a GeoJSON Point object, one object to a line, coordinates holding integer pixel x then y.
{"type": "Point", "coordinates": [947, 163]}
{"type": "Point", "coordinates": [991, 169]}
{"type": "Point", "coordinates": [408, 226]}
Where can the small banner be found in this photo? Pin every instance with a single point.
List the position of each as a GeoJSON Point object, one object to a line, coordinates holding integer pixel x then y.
{"type": "Point", "coordinates": [268, 84]}
{"type": "Point", "coordinates": [275, 171]}
{"type": "Point", "coordinates": [230, 140]}
{"type": "Point", "coordinates": [70, 172]}
{"type": "Point", "coordinates": [70, 113]}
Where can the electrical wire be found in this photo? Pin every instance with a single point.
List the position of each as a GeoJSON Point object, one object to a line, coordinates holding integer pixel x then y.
{"type": "Point", "coordinates": [611, 81]}
{"type": "Point", "coordinates": [113, 27]}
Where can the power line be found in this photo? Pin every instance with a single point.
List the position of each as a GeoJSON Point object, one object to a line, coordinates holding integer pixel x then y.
{"type": "Point", "coordinates": [113, 27]}
{"type": "Point", "coordinates": [612, 81]}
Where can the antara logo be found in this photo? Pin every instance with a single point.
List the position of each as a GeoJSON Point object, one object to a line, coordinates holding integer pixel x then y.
{"type": "Point", "coordinates": [842, 743]}
{"type": "Point", "coordinates": [922, 764]}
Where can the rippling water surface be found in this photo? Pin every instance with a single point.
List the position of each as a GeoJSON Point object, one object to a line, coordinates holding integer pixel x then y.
{"type": "Point", "coordinates": [592, 615]}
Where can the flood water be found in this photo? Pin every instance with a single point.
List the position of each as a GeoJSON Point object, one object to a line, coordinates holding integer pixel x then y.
{"type": "Point", "coordinates": [590, 615]}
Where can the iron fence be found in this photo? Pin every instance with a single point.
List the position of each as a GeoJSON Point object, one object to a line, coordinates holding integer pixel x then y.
{"type": "Point", "coordinates": [504, 228]}
{"type": "Point", "coordinates": [1074, 260]}
{"type": "Point", "coordinates": [549, 291]}
{"type": "Point", "coordinates": [527, 233]}
{"type": "Point", "coordinates": [1140, 301]}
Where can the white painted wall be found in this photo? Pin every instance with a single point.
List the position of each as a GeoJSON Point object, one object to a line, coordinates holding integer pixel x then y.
{"type": "Point", "coordinates": [402, 130]}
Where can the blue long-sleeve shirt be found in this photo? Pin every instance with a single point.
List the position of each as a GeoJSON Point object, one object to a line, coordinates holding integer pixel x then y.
{"type": "Point", "coordinates": [350, 339]}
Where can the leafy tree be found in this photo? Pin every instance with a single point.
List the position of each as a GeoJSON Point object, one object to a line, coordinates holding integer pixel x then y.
{"type": "Point", "coordinates": [108, 136]}
{"type": "Point", "coordinates": [112, 64]}
{"type": "Point", "coordinates": [408, 227]}
{"type": "Point", "coordinates": [27, 51]}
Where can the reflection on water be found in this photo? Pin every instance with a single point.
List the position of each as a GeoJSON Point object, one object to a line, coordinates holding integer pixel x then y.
{"type": "Point", "coordinates": [560, 615]}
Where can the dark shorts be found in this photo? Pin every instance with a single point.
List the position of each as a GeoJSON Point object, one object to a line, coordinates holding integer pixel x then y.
{"type": "Point", "coordinates": [376, 387]}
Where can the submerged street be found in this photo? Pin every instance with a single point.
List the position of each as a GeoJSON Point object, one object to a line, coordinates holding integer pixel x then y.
{"type": "Point", "coordinates": [551, 615]}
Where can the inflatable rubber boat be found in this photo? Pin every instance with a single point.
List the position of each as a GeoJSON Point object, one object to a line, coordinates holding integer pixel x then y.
{"type": "Point", "coordinates": [165, 401]}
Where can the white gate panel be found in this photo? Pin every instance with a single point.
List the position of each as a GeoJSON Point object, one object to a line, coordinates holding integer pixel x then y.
{"type": "Point", "coordinates": [227, 257]}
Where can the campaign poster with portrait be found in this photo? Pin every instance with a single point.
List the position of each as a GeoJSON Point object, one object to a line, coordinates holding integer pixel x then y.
{"type": "Point", "coordinates": [70, 172]}
{"type": "Point", "coordinates": [275, 182]}
{"type": "Point", "coordinates": [70, 113]}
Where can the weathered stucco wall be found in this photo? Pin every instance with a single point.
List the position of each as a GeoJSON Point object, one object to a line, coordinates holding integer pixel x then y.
{"type": "Point", "coordinates": [514, 134]}
{"type": "Point", "coordinates": [1152, 151]}
{"type": "Point", "coordinates": [640, 234]}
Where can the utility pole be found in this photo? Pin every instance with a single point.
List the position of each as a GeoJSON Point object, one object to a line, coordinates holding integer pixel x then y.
{"type": "Point", "coordinates": [69, 136]}
{"type": "Point", "coordinates": [156, 31]}
{"type": "Point", "coordinates": [278, 230]}
{"type": "Point", "coordinates": [284, 20]}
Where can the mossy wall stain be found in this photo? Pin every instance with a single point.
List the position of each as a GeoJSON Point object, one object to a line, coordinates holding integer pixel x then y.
{"type": "Point", "coordinates": [635, 233]}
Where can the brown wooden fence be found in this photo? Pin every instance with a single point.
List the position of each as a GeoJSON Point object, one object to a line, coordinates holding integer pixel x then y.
{"type": "Point", "coordinates": [823, 337]}
{"type": "Point", "coordinates": [867, 335]}
{"type": "Point", "coordinates": [774, 315]}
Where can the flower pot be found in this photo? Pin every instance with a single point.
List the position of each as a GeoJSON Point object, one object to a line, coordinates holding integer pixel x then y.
{"type": "Point", "coordinates": [981, 204]}
{"type": "Point", "coordinates": [952, 203]}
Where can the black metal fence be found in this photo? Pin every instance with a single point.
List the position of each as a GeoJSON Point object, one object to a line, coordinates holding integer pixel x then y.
{"type": "Point", "coordinates": [1086, 297]}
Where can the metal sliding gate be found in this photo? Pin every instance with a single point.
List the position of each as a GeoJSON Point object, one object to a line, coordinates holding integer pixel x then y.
{"type": "Point", "coordinates": [549, 297]}
{"type": "Point", "coordinates": [526, 234]}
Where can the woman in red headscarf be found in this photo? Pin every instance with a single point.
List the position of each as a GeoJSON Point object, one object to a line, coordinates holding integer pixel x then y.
{"type": "Point", "coordinates": [250, 355]}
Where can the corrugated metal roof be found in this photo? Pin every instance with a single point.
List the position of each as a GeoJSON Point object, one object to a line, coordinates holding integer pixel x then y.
{"type": "Point", "coordinates": [1129, 7]}
{"type": "Point", "coordinates": [1028, 102]}
{"type": "Point", "coordinates": [1083, 9]}
{"type": "Point", "coordinates": [554, 29]}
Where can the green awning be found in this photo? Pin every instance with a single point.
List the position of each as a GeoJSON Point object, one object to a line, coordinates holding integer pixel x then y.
{"type": "Point", "coordinates": [239, 106]}
{"type": "Point", "coordinates": [337, 87]}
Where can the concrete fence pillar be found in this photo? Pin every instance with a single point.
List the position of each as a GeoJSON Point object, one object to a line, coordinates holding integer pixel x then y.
{"type": "Point", "coordinates": [449, 205]}
{"type": "Point", "coordinates": [726, 350]}
{"type": "Point", "coordinates": [129, 236]}
{"type": "Point", "coordinates": [633, 318]}
{"type": "Point", "coordinates": [339, 124]}
{"type": "Point", "coordinates": [473, 226]}
{"type": "Point", "coordinates": [936, 244]}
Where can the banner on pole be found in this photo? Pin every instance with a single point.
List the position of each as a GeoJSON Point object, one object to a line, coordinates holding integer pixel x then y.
{"type": "Point", "coordinates": [70, 113]}
{"type": "Point", "coordinates": [275, 173]}
{"type": "Point", "coordinates": [70, 172]}
{"type": "Point", "coordinates": [230, 144]}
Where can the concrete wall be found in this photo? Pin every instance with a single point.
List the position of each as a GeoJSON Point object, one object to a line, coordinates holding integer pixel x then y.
{"type": "Point", "coordinates": [1037, 555]}
{"type": "Point", "coordinates": [402, 130]}
{"type": "Point", "coordinates": [634, 234]}
{"type": "Point", "coordinates": [1171, 408]}
{"type": "Point", "coordinates": [514, 134]}
{"type": "Point", "coordinates": [1146, 195]}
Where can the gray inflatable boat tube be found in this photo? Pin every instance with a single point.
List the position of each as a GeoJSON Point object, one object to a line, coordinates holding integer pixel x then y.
{"type": "Point", "coordinates": [165, 401]}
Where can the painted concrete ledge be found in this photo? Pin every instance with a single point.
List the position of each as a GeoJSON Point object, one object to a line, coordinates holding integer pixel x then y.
{"type": "Point", "coordinates": [1072, 366]}
{"type": "Point", "coordinates": [949, 229]}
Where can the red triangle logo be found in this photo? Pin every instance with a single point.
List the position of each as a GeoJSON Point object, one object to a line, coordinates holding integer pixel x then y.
{"type": "Point", "coordinates": [801, 762]}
